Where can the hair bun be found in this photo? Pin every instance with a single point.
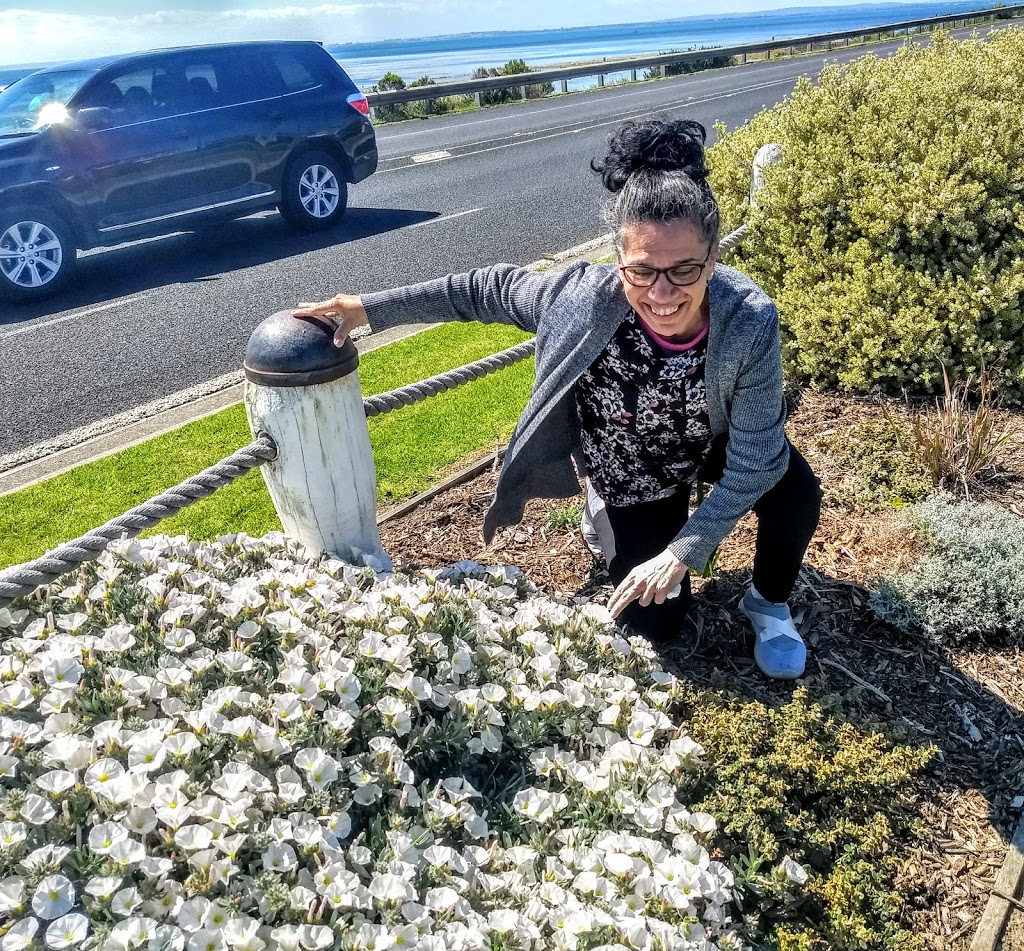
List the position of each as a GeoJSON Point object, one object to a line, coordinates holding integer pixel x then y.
{"type": "Point", "coordinates": [656, 145]}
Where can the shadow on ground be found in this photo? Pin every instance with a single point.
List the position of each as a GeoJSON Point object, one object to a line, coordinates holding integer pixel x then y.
{"type": "Point", "coordinates": [107, 274]}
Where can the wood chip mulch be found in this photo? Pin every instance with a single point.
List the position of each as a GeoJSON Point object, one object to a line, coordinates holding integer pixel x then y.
{"type": "Point", "coordinates": [968, 704]}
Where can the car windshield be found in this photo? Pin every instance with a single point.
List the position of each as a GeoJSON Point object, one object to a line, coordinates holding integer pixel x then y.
{"type": "Point", "coordinates": [39, 100]}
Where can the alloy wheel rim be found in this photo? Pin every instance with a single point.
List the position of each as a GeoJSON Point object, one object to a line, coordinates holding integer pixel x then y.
{"type": "Point", "coordinates": [319, 191]}
{"type": "Point", "coordinates": [30, 254]}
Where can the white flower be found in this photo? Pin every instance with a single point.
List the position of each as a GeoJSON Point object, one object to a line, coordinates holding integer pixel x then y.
{"type": "Point", "coordinates": [36, 810]}
{"type": "Point", "coordinates": [12, 894]}
{"type": "Point", "coordinates": [68, 931]}
{"type": "Point", "coordinates": [395, 713]}
{"type": "Point", "coordinates": [21, 934]}
{"type": "Point", "coordinates": [102, 837]}
{"type": "Point", "coordinates": [793, 870]}
{"type": "Point", "coordinates": [321, 769]}
{"type": "Point", "coordinates": [279, 857]}
{"type": "Point", "coordinates": [54, 896]}
{"type": "Point", "coordinates": [391, 888]}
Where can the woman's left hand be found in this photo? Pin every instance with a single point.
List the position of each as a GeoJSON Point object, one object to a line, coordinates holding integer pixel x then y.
{"type": "Point", "coordinates": [651, 581]}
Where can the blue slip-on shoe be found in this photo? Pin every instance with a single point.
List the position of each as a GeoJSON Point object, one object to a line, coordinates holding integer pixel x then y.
{"type": "Point", "coordinates": [779, 649]}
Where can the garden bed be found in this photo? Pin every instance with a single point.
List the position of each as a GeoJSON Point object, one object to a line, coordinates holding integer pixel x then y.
{"type": "Point", "coordinates": [968, 704]}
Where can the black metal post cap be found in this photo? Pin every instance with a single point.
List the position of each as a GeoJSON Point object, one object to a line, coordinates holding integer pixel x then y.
{"type": "Point", "coordinates": [293, 351]}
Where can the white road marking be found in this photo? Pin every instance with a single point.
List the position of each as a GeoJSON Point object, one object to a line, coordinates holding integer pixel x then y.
{"type": "Point", "coordinates": [434, 221]}
{"type": "Point", "coordinates": [72, 316]}
{"type": "Point", "coordinates": [431, 156]}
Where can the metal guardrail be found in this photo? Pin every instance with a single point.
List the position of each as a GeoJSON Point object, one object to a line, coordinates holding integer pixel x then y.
{"type": "Point", "coordinates": [659, 61]}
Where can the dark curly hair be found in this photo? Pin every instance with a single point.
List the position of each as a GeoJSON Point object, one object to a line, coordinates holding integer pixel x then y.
{"type": "Point", "coordinates": [656, 172]}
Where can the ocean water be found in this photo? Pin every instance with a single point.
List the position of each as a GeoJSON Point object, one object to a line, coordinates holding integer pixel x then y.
{"type": "Point", "coordinates": [452, 57]}
{"type": "Point", "coordinates": [448, 58]}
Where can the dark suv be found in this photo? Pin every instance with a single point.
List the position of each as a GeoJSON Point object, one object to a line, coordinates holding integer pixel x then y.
{"type": "Point", "coordinates": [108, 150]}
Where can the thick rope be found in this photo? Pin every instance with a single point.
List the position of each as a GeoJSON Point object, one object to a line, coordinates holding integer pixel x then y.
{"type": "Point", "coordinates": [730, 241]}
{"type": "Point", "coordinates": [24, 579]}
{"type": "Point", "coordinates": [414, 392]}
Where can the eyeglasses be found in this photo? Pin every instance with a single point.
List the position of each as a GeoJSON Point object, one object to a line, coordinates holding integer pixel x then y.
{"type": "Point", "coordinates": [681, 275]}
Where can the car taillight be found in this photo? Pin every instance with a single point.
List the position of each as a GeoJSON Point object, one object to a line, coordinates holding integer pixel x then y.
{"type": "Point", "coordinates": [358, 102]}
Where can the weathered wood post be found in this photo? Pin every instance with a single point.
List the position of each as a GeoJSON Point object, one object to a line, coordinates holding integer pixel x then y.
{"type": "Point", "coordinates": [304, 392]}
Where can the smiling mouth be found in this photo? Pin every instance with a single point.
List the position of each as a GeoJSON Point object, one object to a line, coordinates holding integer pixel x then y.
{"type": "Point", "coordinates": [663, 311]}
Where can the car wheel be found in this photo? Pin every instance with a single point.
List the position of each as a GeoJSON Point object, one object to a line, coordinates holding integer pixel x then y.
{"type": "Point", "coordinates": [37, 253]}
{"type": "Point", "coordinates": [315, 193]}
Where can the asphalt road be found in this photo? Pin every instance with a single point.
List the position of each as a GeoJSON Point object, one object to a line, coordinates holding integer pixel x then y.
{"type": "Point", "coordinates": [155, 317]}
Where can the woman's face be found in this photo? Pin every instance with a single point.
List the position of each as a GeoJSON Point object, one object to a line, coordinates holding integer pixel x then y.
{"type": "Point", "coordinates": [669, 310]}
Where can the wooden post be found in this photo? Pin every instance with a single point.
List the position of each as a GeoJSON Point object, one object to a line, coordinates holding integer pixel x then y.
{"type": "Point", "coordinates": [429, 106]}
{"type": "Point", "coordinates": [479, 96]}
{"type": "Point", "coordinates": [304, 392]}
{"type": "Point", "coordinates": [522, 92]}
{"type": "Point", "coordinates": [565, 85]}
{"type": "Point", "coordinates": [632, 75]}
{"type": "Point", "coordinates": [744, 61]}
{"type": "Point", "coordinates": [600, 80]}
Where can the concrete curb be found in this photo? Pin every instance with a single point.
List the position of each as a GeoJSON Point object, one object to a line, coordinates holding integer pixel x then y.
{"type": "Point", "coordinates": [44, 460]}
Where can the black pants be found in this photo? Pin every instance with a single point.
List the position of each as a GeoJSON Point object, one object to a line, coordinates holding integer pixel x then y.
{"type": "Point", "coordinates": [787, 516]}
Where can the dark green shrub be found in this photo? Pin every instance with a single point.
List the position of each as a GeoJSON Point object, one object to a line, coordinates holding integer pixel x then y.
{"type": "Point", "coordinates": [695, 66]}
{"type": "Point", "coordinates": [513, 67]}
{"type": "Point", "coordinates": [391, 112]}
{"type": "Point", "coordinates": [890, 234]}
{"type": "Point", "coordinates": [838, 799]}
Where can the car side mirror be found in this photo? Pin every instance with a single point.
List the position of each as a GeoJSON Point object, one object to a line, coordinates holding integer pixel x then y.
{"type": "Point", "coordinates": [94, 117]}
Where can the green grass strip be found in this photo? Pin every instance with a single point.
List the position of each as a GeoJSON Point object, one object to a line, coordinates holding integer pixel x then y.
{"type": "Point", "coordinates": [411, 447]}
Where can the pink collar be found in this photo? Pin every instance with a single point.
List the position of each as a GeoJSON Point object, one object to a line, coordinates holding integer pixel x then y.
{"type": "Point", "coordinates": [670, 344]}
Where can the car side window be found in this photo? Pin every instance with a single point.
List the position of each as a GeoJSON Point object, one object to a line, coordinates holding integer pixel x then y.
{"type": "Point", "coordinates": [137, 94]}
{"type": "Point", "coordinates": [294, 74]}
{"type": "Point", "coordinates": [224, 78]}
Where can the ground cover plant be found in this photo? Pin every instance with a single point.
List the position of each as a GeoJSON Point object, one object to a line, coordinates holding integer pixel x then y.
{"type": "Point", "coordinates": [226, 744]}
{"type": "Point", "coordinates": [968, 586]}
{"type": "Point", "coordinates": [888, 233]}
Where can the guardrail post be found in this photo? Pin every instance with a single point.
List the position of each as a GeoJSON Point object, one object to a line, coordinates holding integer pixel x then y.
{"type": "Point", "coordinates": [743, 62]}
{"type": "Point", "coordinates": [600, 80]}
{"type": "Point", "coordinates": [479, 96]}
{"type": "Point", "coordinates": [304, 392]}
{"type": "Point", "coordinates": [632, 75]}
{"type": "Point", "coordinates": [428, 106]}
{"type": "Point", "coordinates": [565, 85]}
{"type": "Point", "coordinates": [522, 92]}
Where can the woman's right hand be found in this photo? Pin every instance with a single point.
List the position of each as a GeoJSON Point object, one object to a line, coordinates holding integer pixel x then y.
{"type": "Point", "coordinates": [345, 310]}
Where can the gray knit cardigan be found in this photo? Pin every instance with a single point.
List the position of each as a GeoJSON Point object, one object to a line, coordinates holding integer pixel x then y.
{"type": "Point", "coordinates": [574, 314]}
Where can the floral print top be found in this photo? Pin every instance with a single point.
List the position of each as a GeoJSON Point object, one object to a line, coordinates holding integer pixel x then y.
{"type": "Point", "coordinates": [643, 416]}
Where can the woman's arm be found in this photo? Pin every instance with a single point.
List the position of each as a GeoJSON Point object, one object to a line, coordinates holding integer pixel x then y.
{"type": "Point", "coordinates": [756, 452]}
{"type": "Point", "coordinates": [501, 293]}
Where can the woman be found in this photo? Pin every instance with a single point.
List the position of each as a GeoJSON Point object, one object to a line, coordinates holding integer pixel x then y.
{"type": "Point", "coordinates": [650, 373]}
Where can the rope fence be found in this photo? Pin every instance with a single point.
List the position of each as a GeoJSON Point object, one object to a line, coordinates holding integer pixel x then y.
{"type": "Point", "coordinates": [21, 580]}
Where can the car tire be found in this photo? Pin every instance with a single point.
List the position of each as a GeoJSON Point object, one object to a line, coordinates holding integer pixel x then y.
{"type": "Point", "coordinates": [314, 195]}
{"type": "Point", "coordinates": [37, 253]}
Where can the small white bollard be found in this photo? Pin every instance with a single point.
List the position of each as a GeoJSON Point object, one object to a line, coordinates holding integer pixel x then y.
{"type": "Point", "coordinates": [766, 155]}
{"type": "Point", "coordinates": [304, 392]}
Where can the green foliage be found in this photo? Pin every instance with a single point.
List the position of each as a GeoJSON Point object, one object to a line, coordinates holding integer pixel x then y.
{"type": "Point", "coordinates": [564, 517]}
{"type": "Point", "coordinates": [890, 235]}
{"type": "Point", "coordinates": [969, 584]}
{"type": "Point", "coordinates": [694, 66]}
{"type": "Point", "coordinates": [958, 441]}
{"type": "Point", "coordinates": [879, 471]}
{"type": "Point", "coordinates": [513, 67]}
{"type": "Point", "coordinates": [797, 781]}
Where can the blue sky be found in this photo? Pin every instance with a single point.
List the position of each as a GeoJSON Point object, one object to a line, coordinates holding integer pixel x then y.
{"type": "Point", "coordinates": [38, 31]}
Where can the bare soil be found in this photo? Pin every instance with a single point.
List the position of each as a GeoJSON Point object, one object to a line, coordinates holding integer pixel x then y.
{"type": "Point", "coordinates": [968, 704]}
